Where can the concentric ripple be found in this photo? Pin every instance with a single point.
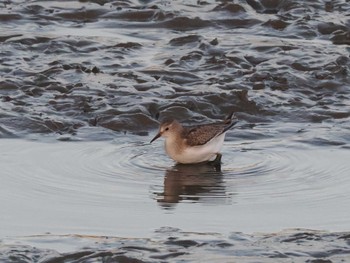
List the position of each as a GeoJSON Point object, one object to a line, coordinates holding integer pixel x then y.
{"type": "Point", "coordinates": [298, 173]}
{"type": "Point", "coordinates": [81, 168]}
{"type": "Point", "coordinates": [128, 186]}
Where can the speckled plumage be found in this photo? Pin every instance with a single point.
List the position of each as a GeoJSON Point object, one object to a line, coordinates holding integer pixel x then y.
{"type": "Point", "coordinates": [201, 134]}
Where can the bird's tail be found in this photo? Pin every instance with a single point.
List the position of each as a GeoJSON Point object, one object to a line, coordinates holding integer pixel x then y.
{"type": "Point", "coordinates": [230, 120]}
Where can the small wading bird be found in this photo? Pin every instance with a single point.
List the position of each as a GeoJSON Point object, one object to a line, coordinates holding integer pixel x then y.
{"type": "Point", "coordinates": [194, 144]}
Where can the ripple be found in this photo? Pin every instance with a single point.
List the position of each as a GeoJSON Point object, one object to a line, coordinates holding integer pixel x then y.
{"type": "Point", "coordinates": [98, 171]}
{"type": "Point", "coordinates": [169, 244]}
{"type": "Point", "coordinates": [285, 62]}
{"type": "Point", "coordinates": [88, 71]}
{"type": "Point", "coordinates": [298, 173]}
{"type": "Point", "coordinates": [52, 169]}
{"type": "Point", "coordinates": [69, 179]}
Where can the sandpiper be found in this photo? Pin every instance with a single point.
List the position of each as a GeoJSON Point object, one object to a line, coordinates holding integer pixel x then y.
{"type": "Point", "coordinates": [194, 144]}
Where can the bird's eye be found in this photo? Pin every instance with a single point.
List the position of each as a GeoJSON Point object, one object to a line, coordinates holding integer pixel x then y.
{"type": "Point", "coordinates": [167, 128]}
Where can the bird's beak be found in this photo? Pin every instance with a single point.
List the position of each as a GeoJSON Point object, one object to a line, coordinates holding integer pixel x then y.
{"type": "Point", "coordinates": [156, 137]}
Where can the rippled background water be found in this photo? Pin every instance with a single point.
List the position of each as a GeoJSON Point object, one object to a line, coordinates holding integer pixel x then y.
{"type": "Point", "coordinates": [84, 83]}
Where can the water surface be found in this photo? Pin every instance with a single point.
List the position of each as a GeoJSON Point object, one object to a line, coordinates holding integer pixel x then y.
{"type": "Point", "coordinates": [129, 188]}
{"type": "Point", "coordinates": [83, 85]}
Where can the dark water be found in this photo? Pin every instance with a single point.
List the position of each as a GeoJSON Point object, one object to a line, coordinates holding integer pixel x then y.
{"type": "Point", "coordinates": [173, 245]}
{"type": "Point", "coordinates": [69, 66]}
{"type": "Point", "coordinates": [83, 84]}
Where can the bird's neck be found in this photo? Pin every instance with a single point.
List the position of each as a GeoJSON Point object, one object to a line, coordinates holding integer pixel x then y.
{"type": "Point", "coordinates": [174, 143]}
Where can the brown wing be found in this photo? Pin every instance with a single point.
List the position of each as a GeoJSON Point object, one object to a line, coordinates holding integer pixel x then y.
{"type": "Point", "coordinates": [201, 134]}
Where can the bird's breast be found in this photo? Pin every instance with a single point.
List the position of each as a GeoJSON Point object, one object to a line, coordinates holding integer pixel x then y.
{"type": "Point", "coordinates": [183, 153]}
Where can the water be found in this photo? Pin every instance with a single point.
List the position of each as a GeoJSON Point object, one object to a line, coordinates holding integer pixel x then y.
{"type": "Point", "coordinates": [128, 188]}
{"type": "Point", "coordinates": [83, 85]}
{"type": "Point", "coordinates": [98, 182]}
{"type": "Point", "coordinates": [89, 187]}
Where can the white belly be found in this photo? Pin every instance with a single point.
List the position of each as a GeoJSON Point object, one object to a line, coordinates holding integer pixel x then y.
{"type": "Point", "coordinates": [197, 154]}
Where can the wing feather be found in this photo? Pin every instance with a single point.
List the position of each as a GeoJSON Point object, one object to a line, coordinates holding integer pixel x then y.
{"type": "Point", "coordinates": [201, 134]}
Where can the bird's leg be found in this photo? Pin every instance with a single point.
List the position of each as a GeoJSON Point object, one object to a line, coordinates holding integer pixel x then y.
{"type": "Point", "coordinates": [218, 158]}
{"type": "Point", "coordinates": [217, 162]}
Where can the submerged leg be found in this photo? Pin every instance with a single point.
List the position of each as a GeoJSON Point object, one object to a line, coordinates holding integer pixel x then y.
{"type": "Point", "coordinates": [218, 158]}
{"type": "Point", "coordinates": [217, 162]}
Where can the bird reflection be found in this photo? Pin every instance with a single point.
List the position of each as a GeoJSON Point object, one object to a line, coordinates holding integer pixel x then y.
{"type": "Point", "coordinates": [194, 183]}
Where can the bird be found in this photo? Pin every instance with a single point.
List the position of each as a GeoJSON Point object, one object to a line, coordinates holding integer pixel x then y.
{"type": "Point", "coordinates": [194, 144]}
